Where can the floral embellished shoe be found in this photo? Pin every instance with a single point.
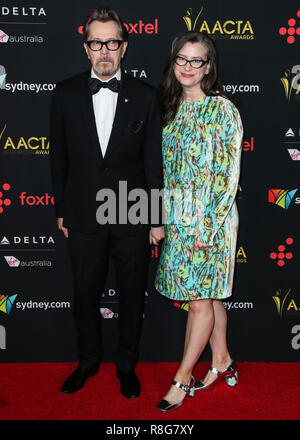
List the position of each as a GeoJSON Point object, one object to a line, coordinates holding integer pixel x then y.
{"type": "Point", "coordinates": [166, 406]}
{"type": "Point", "coordinates": [230, 375]}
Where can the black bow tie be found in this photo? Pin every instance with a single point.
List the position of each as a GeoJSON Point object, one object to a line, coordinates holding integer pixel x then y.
{"type": "Point", "coordinates": [95, 85]}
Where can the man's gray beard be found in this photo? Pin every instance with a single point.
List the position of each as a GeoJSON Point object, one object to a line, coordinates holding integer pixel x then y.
{"type": "Point", "coordinates": [105, 72]}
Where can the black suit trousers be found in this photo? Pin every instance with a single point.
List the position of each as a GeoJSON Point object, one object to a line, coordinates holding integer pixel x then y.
{"type": "Point", "coordinates": [90, 256]}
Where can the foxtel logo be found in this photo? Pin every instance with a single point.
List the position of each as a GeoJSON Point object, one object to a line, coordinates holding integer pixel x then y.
{"type": "Point", "coordinates": [44, 200]}
{"type": "Point", "coordinates": [137, 28]}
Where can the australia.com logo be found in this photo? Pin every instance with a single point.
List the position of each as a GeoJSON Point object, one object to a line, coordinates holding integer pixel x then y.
{"type": "Point", "coordinates": [15, 262]}
{"type": "Point", "coordinates": [5, 38]}
{"type": "Point", "coordinates": [137, 28]}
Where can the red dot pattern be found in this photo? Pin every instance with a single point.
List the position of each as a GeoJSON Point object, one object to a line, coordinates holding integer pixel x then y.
{"type": "Point", "coordinates": [6, 201]}
{"type": "Point", "coordinates": [290, 31]}
{"type": "Point", "coordinates": [281, 256]}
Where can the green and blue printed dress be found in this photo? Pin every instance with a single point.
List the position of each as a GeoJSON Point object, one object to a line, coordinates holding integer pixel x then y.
{"type": "Point", "coordinates": [201, 160]}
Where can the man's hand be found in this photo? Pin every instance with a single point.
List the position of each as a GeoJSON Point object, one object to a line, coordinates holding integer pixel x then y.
{"type": "Point", "coordinates": [61, 227]}
{"type": "Point", "coordinates": [199, 245]}
{"type": "Point", "coordinates": [156, 234]}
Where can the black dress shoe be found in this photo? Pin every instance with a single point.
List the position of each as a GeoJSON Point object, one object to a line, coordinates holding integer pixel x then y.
{"type": "Point", "coordinates": [77, 379]}
{"type": "Point", "coordinates": [130, 385]}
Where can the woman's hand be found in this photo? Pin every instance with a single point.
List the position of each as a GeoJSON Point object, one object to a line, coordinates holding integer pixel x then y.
{"type": "Point", "coordinates": [156, 234]}
{"type": "Point", "coordinates": [61, 227]}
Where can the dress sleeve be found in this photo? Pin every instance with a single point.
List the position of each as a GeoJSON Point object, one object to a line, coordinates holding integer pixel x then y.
{"type": "Point", "coordinates": [225, 172]}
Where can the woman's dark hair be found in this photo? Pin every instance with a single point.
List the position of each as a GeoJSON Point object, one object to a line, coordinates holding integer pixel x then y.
{"type": "Point", "coordinates": [104, 14]}
{"type": "Point", "coordinates": [171, 89]}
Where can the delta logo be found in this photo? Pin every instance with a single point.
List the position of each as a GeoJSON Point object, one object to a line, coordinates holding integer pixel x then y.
{"type": "Point", "coordinates": [234, 29]}
{"type": "Point", "coordinates": [6, 303]}
{"type": "Point", "coordinates": [282, 253]}
{"type": "Point", "coordinates": [25, 145]}
{"type": "Point", "coordinates": [137, 28]}
{"type": "Point", "coordinates": [285, 303]}
{"type": "Point", "coordinates": [282, 197]}
{"type": "Point", "coordinates": [290, 133]}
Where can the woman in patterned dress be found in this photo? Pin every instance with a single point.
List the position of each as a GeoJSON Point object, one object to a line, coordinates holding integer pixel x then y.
{"type": "Point", "coordinates": [202, 142]}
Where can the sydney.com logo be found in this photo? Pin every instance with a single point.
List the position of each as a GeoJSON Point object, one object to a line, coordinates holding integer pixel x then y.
{"type": "Point", "coordinates": [282, 197]}
{"type": "Point", "coordinates": [6, 303]}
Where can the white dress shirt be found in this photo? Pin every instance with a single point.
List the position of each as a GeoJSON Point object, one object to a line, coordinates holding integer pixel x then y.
{"type": "Point", "coordinates": [105, 103]}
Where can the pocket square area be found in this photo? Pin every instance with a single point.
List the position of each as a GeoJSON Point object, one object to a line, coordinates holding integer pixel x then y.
{"type": "Point", "coordinates": [136, 126]}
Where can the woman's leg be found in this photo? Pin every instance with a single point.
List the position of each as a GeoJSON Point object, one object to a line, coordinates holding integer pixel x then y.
{"type": "Point", "coordinates": [200, 323]}
{"type": "Point", "coordinates": [218, 342]}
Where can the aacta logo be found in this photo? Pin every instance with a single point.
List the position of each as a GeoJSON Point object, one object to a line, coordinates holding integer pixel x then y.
{"type": "Point", "coordinates": [241, 256]}
{"type": "Point", "coordinates": [233, 29]}
{"type": "Point", "coordinates": [291, 32]}
{"type": "Point", "coordinates": [281, 255]}
{"type": "Point", "coordinates": [284, 302]}
{"type": "Point", "coordinates": [6, 303]}
{"type": "Point", "coordinates": [137, 28]}
{"type": "Point", "coordinates": [4, 201]}
{"type": "Point", "coordinates": [31, 145]}
{"type": "Point", "coordinates": [281, 197]}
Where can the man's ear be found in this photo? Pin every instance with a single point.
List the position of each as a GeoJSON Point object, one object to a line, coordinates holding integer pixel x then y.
{"type": "Point", "coordinates": [86, 49]}
{"type": "Point", "coordinates": [124, 48]}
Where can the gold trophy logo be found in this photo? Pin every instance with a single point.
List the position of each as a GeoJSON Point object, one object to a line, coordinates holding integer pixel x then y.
{"type": "Point", "coordinates": [288, 84]}
{"type": "Point", "coordinates": [279, 304]}
{"type": "Point", "coordinates": [1, 134]}
{"type": "Point", "coordinates": [188, 19]}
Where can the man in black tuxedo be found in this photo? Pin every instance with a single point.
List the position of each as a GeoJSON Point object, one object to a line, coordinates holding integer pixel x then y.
{"type": "Point", "coordinates": [105, 128]}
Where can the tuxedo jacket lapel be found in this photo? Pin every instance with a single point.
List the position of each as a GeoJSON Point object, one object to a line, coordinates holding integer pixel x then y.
{"type": "Point", "coordinates": [121, 117]}
{"type": "Point", "coordinates": [89, 116]}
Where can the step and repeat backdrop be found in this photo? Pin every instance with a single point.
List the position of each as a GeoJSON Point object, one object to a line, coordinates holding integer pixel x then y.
{"type": "Point", "coordinates": [259, 63]}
